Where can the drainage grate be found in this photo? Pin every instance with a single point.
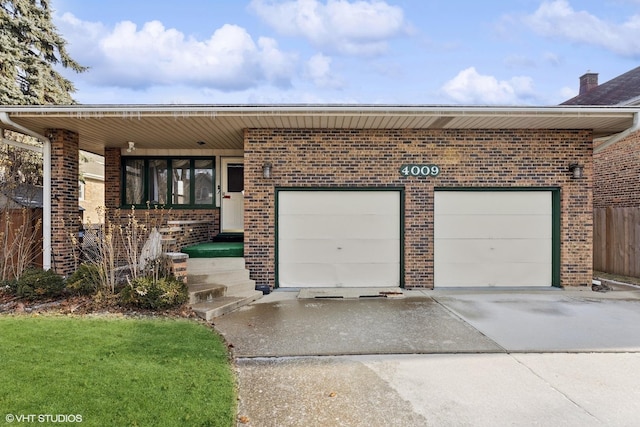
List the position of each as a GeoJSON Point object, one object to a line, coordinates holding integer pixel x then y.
{"type": "Point", "coordinates": [349, 293]}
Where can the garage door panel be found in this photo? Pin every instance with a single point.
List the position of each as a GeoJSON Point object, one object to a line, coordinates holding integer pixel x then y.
{"type": "Point", "coordinates": [506, 251]}
{"type": "Point", "coordinates": [338, 251]}
{"type": "Point", "coordinates": [493, 202]}
{"type": "Point", "coordinates": [339, 226]}
{"type": "Point", "coordinates": [311, 275]}
{"type": "Point", "coordinates": [493, 238]}
{"type": "Point", "coordinates": [493, 274]}
{"type": "Point", "coordinates": [496, 226]}
{"type": "Point", "coordinates": [322, 203]}
{"type": "Point", "coordinates": [338, 238]}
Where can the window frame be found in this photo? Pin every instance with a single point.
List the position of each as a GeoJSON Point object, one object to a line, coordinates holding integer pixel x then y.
{"type": "Point", "coordinates": [169, 196]}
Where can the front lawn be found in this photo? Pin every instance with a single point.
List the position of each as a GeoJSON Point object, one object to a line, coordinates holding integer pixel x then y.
{"type": "Point", "coordinates": [116, 372]}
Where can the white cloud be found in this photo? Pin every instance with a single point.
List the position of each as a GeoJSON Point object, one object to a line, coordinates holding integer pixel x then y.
{"type": "Point", "coordinates": [318, 70]}
{"type": "Point", "coordinates": [128, 56]}
{"type": "Point", "coordinates": [469, 87]}
{"type": "Point", "coordinates": [353, 28]}
{"type": "Point", "coordinates": [558, 19]}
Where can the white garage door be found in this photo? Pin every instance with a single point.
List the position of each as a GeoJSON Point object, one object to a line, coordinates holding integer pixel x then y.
{"type": "Point", "coordinates": [493, 238]}
{"type": "Point", "coordinates": [338, 238]}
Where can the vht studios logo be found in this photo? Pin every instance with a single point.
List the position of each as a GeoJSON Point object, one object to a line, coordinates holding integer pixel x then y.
{"type": "Point", "coordinates": [43, 418]}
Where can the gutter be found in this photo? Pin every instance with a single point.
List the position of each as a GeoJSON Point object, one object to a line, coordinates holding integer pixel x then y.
{"type": "Point", "coordinates": [617, 137]}
{"type": "Point", "coordinates": [46, 183]}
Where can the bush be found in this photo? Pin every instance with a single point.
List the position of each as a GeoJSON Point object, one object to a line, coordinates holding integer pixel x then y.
{"type": "Point", "coordinates": [85, 280]}
{"type": "Point", "coordinates": [36, 283]}
{"type": "Point", "coordinates": [9, 286]}
{"type": "Point", "coordinates": [144, 292]}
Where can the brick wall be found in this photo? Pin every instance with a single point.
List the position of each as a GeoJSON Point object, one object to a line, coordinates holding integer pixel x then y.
{"type": "Point", "coordinates": [617, 174]}
{"type": "Point", "coordinates": [65, 214]}
{"type": "Point", "coordinates": [187, 233]}
{"type": "Point", "coordinates": [372, 158]}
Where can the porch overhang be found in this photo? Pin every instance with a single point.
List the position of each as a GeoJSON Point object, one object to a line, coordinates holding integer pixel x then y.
{"type": "Point", "coordinates": [222, 126]}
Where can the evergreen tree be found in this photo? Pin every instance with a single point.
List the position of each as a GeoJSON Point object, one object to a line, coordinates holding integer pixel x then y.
{"type": "Point", "coordinates": [30, 47]}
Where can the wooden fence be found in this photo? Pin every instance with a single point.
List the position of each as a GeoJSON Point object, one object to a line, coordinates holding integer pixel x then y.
{"type": "Point", "coordinates": [20, 241]}
{"type": "Point", "coordinates": [616, 241]}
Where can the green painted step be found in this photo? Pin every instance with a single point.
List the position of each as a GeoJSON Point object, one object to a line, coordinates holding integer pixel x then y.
{"type": "Point", "coordinates": [215, 250]}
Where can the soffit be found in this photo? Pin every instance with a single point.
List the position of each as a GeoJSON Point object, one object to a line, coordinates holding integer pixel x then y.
{"type": "Point", "coordinates": [221, 127]}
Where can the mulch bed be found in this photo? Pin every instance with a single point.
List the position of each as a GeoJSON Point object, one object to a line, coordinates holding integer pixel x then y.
{"type": "Point", "coordinates": [83, 305]}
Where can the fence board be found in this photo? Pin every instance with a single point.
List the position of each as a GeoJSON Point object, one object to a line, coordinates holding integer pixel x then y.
{"type": "Point", "coordinates": [616, 240]}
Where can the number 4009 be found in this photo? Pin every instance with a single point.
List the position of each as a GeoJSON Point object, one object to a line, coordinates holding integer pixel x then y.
{"type": "Point", "coordinates": [419, 170]}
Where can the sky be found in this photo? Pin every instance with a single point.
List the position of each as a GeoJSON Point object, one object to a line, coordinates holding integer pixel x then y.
{"type": "Point", "coordinates": [406, 52]}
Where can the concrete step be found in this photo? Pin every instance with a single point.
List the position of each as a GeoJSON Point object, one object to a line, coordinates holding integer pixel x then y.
{"type": "Point", "coordinates": [245, 286]}
{"type": "Point", "coordinates": [205, 292]}
{"type": "Point", "coordinates": [219, 285]}
{"type": "Point", "coordinates": [198, 266]}
{"type": "Point", "coordinates": [223, 305]}
{"type": "Point", "coordinates": [222, 277]}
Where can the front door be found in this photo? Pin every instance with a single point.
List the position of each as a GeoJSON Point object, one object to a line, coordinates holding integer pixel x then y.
{"type": "Point", "coordinates": [232, 195]}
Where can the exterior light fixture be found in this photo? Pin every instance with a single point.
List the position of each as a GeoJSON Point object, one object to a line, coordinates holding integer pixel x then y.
{"type": "Point", "coordinates": [266, 170]}
{"type": "Point", "coordinates": [577, 170]}
{"type": "Point", "coordinates": [132, 147]}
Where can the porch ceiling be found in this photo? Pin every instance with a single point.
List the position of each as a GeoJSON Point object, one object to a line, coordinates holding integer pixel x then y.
{"type": "Point", "coordinates": [221, 127]}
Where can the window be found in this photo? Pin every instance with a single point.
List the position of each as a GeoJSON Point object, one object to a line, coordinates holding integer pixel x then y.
{"type": "Point", "coordinates": [203, 171]}
{"type": "Point", "coordinates": [172, 182]}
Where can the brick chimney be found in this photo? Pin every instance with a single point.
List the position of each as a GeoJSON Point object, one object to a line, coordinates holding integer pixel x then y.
{"type": "Point", "coordinates": [588, 81]}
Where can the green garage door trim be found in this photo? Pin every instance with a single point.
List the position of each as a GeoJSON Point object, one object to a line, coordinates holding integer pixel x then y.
{"type": "Point", "coordinates": [555, 218]}
{"type": "Point", "coordinates": [278, 205]}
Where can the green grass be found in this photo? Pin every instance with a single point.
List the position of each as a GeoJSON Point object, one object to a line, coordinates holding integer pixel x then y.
{"type": "Point", "coordinates": [116, 372]}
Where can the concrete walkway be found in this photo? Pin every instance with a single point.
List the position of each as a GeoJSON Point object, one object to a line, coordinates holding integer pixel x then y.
{"type": "Point", "coordinates": [463, 357]}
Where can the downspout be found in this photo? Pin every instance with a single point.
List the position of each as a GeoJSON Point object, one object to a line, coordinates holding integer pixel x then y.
{"type": "Point", "coordinates": [46, 186]}
{"type": "Point", "coordinates": [619, 136]}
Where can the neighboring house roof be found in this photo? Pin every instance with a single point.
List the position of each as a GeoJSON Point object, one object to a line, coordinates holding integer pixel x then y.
{"type": "Point", "coordinates": [621, 90]}
{"type": "Point", "coordinates": [198, 127]}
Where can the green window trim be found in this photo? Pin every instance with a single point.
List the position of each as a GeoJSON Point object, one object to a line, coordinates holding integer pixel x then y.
{"type": "Point", "coordinates": [178, 169]}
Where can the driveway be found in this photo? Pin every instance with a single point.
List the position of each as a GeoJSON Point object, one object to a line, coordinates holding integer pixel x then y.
{"type": "Point", "coordinates": [463, 357]}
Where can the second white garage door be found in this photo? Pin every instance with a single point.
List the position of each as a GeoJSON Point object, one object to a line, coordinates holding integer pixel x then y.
{"type": "Point", "coordinates": [340, 238]}
{"type": "Point", "coordinates": [493, 238]}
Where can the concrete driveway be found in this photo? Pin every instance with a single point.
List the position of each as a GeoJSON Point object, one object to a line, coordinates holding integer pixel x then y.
{"type": "Point", "coordinates": [463, 357]}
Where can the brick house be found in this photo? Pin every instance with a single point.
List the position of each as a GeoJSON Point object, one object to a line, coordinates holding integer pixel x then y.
{"type": "Point", "coordinates": [349, 196]}
{"type": "Point", "coordinates": [91, 187]}
{"type": "Point", "coordinates": [616, 184]}
{"type": "Point", "coordinates": [618, 164]}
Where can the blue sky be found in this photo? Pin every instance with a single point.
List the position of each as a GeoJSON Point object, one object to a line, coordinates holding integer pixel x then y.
{"type": "Point", "coordinates": [453, 52]}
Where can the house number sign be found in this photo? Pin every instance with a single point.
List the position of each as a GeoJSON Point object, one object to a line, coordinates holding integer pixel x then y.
{"type": "Point", "coordinates": [419, 170]}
